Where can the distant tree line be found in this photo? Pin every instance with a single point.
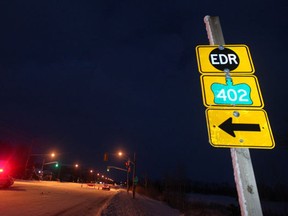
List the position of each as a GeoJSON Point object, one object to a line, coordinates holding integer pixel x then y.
{"type": "Point", "coordinates": [174, 190]}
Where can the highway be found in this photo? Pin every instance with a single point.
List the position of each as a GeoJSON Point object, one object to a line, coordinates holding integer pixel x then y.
{"type": "Point", "coordinates": [43, 198]}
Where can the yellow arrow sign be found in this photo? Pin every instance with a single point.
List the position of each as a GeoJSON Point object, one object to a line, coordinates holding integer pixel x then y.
{"type": "Point", "coordinates": [215, 59]}
{"type": "Point", "coordinates": [239, 91]}
{"type": "Point", "coordinates": [233, 128]}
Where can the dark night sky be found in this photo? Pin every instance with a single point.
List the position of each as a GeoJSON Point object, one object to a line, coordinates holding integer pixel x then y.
{"type": "Point", "coordinates": [88, 77]}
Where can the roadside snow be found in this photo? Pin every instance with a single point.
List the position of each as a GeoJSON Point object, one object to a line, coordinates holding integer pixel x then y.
{"type": "Point", "coordinates": [46, 198]}
{"type": "Point", "coordinates": [222, 200]}
{"type": "Point", "coordinates": [29, 198]}
{"type": "Point", "coordinates": [268, 207]}
{"type": "Point", "coordinates": [122, 204]}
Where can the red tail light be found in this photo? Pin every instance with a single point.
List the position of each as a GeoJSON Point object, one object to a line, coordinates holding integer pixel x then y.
{"type": "Point", "coordinates": [4, 167]}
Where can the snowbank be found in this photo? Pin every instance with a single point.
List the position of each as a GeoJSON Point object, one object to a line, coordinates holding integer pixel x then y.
{"type": "Point", "coordinates": [122, 204]}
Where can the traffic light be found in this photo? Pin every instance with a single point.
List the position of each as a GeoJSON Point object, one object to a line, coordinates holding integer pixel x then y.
{"type": "Point", "coordinates": [105, 156]}
{"type": "Point", "coordinates": [56, 165]}
{"type": "Point", "coordinates": [127, 164]}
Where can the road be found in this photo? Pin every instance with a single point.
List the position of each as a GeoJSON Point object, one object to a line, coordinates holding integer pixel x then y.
{"type": "Point", "coordinates": [41, 198]}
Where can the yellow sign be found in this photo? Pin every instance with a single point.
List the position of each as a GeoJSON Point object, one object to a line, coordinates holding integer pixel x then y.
{"type": "Point", "coordinates": [239, 91]}
{"type": "Point", "coordinates": [216, 59]}
{"type": "Point", "coordinates": [233, 128]}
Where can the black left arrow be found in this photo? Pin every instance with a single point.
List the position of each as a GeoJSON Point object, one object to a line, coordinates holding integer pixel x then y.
{"type": "Point", "coordinates": [230, 128]}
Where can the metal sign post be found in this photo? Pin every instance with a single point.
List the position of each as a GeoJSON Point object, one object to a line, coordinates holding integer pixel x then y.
{"type": "Point", "coordinates": [243, 170]}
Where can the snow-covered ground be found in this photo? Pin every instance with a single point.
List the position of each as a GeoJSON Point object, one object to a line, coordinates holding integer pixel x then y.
{"type": "Point", "coordinates": [268, 207]}
{"type": "Point", "coordinates": [36, 198]}
{"type": "Point", "coordinates": [222, 200]}
{"type": "Point", "coordinates": [122, 204]}
{"type": "Point", "coordinates": [48, 198]}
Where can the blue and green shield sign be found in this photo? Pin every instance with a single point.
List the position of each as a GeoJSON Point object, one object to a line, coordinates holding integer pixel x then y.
{"type": "Point", "coordinates": [229, 94]}
{"type": "Point", "coordinates": [237, 91]}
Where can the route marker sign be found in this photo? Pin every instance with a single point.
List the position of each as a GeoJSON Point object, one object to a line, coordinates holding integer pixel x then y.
{"type": "Point", "coordinates": [239, 128]}
{"type": "Point", "coordinates": [216, 59]}
{"type": "Point", "coordinates": [238, 91]}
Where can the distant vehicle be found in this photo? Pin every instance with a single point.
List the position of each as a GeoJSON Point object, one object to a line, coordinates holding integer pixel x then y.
{"type": "Point", "coordinates": [5, 179]}
{"type": "Point", "coordinates": [105, 187]}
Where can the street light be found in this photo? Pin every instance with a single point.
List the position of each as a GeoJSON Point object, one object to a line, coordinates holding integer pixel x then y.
{"type": "Point", "coordinates": [76, 173]}
{"type": "Point", "coordinates": [134, 172]}
{"type": "Point", "coordinates": [128, 170]}
{"type": "Point", "coordinates": [52, 155]}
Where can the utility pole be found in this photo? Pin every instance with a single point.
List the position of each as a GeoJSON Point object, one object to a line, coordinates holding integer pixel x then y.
{"type": "Point", "coordinates": [242, 165]}
{"type": "Point", "coordinates": [134, 175]}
